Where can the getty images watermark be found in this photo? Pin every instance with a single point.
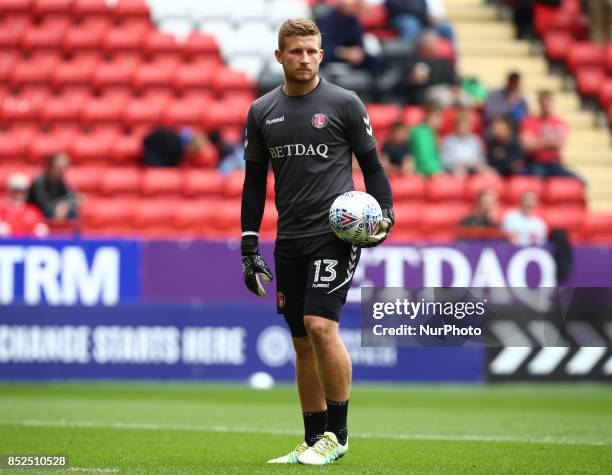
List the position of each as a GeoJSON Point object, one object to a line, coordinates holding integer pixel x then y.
{"type": "Point", "coordinates": [476, 317]}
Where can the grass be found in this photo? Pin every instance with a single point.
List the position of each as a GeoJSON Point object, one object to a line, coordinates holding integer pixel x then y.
{"type": "Point", "coordinates": [205, 428]}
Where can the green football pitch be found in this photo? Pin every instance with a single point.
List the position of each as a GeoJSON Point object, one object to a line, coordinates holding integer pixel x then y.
{"type": "Point", "coordinates": [205, 428]}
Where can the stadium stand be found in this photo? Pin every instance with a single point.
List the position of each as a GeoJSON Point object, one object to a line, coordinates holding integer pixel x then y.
{"type": "Point", "coordinates": [92, 78]}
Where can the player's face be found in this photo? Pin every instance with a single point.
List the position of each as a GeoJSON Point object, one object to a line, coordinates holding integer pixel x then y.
{"type": "Point", "coordinates": [300, 58]}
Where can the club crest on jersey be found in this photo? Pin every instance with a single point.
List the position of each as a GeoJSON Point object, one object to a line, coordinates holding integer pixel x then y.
{"type": "Point", "coordinates": [319, 120]}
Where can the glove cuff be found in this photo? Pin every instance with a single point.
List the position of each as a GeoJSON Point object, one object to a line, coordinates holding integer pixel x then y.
{"type": "Point", "coordinates": [388, 214]}
{"type": "Point", "coordinates": [249, 245]}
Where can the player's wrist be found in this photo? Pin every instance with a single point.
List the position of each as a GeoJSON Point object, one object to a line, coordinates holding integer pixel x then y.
{"type": "Point", "coordinates": [388, 215]}
{"type": "Point", "coordinates": [249, 244]}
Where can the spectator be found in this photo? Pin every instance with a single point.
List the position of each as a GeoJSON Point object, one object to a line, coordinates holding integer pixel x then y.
{"type": "Point", "coordinates": [462, 151]}
{"type": "Point", "coordinates": [485, 214]}
{"type": "Point", "coordinates": [230, 156]}
{"type": "Point", "coordinates": [343, 36]}
{"type": "Point", "coordinates": [51, 194]}
{"type": "Point", "coordinates": [431, 79]}
{"type": "Point", "coordinates": [507, 103]}
{"type": "Point", "coordinates": [542, 137]}
{"type": "Point", "coordinates": [505, 152]}
{"type": "Point", "coordinates": [396, 152]}
{"type": "Point", "coordinates": [522, 226]}
{"type": "Point", "coordinates": [166, 148]}
{"type": "Point", "coordinates": [408, 17]}
{"type": "Point", "coordinates": [437, 19]}
{"type": "Point", "coordinates": [424, 143]}
{"type": "Point", "coordinates": [17, 217]}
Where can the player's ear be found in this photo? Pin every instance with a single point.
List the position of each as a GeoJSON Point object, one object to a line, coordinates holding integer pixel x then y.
{"type": "Point", "coordinates": [321, 54]}
{"type": "Point", "coordinates": [279, 55]}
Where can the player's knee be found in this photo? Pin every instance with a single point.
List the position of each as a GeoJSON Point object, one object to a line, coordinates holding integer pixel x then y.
{"type": "Point", "coordinates": [302, 345]}
{"type": "Point", "coordinates": [320, 330]}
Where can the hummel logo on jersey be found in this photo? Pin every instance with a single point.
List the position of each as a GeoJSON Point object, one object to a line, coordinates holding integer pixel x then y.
{"type": "Point", "coordinates": [366, 121]}
{"type": "Point", "coordinates": [299, 150]}
{"type": "Point", "coordinates": [274, 121]}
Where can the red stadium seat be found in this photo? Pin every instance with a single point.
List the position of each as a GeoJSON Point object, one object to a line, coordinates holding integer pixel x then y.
{"type": "Point", "coordinates": [358, 182]}
{"type": "Point", "coordinates": [230, 80]}
{"type": "Point", "coordinates": [84, 38]}
{"type": "Point", "coordinates": [73, 73]}
{"type": "Point", "coordinates": [8, 60]}
{"type": "Point", "coordinates": [208, 157]}
{"type": "Point", "coordinates": [83, 9]}
{"type": "Point", "coordinates": [564, 190]}
{"type": "Point", "coordinates": [41, 37]}
{"type": "Point", "coordinates": [184, 113]}
{"type": "Point", "coordinates": [383, 116]}
{"type": "Point", "coordinates": [440, 221]}
{"type": "Point", "coordinates": [102, 213]}
{"type": "Point", "coordinates": [10, 7]}
{"type": "Point", "coordinates": [449, 119]}
{"type": "Point", "coordinates": [91, 148]}
{"type": "Point", "coordinates": [557, 44]}
{"type": "Point", "coordinates": [221, 114]}
{"type": "Point", "coordinates": [589, 80]}
{"type": "Point", "coordinates": [374, 17]}
{"type": "Point", "coordinates": [193, 215]}
{"type": "Point", "coordinates": [22, 108]}
{"type": "Point", "coordinates": [154, 213]}
{"type": "Point", "coordinates": [232, 185]}
{"type": "Point", "coordinates": [153, 75]}
{"type": "Point", "coordinates": [569, 218]}
{"type": "Point", "coordinates": [408, 219]}
{"type": "Point", "coordinates": [12, 149]}
{"type": "Point", "coordinates": [114, 74]}
{"type": "Point", "coordinates": [143, 111]}
{"type": "Point", "coordinates": [202, 182]}
{"type": "Point", "coordinates": [161, 181]}
{"type": "Point", "coordinates": [52, 7]}
{"type": "Point", "coordinates": [120, 180]}
{"type": "Point", "coordinates": [11, 35]}
{"type": "Point", "coordinates": [228, 215]}
{"type": "Point", "coordinates": [124, 39]}
{"type": "Point", "coordinates": [194, 76]}
{"type": "Point", "coordinates": [131, 9]}
{"type": "Point", "coordinates": [408, 187]}
{"type": "Point", "coordinates": [597, 227]}
{"type": "Point", "coordinates": [519, 185]}
{"type": "Point", "coordinates": [62, 109]}
{"type": "Point", "coordinates": [33, 71]}
{"type": "Point", "coordinates": [584, 53]}
{"type": "Point", "coordinates": [201, 46]}
{"type": "Point", "coordinates": [159, 43]}
{"type": "Point", "coordinates": [44, 145]}
{"type": "Point", "coordinates": [126, 150]}
{"type": "Point", "coordinates": [413, 115]}
{"type": "Point", "coordinates": [478, 183]}
{"type": "Point", "coordinates": [103, 110]}
{"type": "Point", "coordinates": [84, 179]}
{"type": "Point", "coordinates": [445, 188]}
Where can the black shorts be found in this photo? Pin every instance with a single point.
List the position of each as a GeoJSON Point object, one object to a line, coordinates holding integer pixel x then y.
{"type": "Point", "coordinates": [313, 276]}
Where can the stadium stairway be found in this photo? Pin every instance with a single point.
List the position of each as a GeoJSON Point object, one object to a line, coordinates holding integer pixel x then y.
{"type": "Point", "coordinates": [488, 50]}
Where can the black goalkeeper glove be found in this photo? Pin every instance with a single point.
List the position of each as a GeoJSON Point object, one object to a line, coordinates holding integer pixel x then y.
{"type": "Point", "coordinates": [383, 230]}
{"type": "Point", "coordinates": [254, 267]}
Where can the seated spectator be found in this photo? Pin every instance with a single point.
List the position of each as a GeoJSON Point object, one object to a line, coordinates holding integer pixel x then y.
{"type": "Point", "coordinates": [485, 213]}
{"type": "Point", "coordinates": [462, 151]}
{"type": "Point", "coordinates": [522, 226]}
{"type": "Point", "coordinates": [164, 147]}
{"type": "Point", "coordinates": [343, 36]}
{"type": "Point", "coordinates": [542, 138]}
{"type": "Point", "coordinates": [505, 154]}
{"type": "Point", "coordinates": [507, 103]}
{"type": "Point", "coordinates": [17, 217]}
{"type": "Point", "coordinates": [408, 17]}
{"type": "Point", "coordinates": [424, 143]}
{"type": "Point", "coordinates": [437, 19]}
{"type": "Point", "coordinates": [51, 194]}
{"type": "Point", "coordinates": [431, 79]}
{"type": "Point", "coordinates": [395, 154]}
{"type": "Point", "coordinates": [230, 156]}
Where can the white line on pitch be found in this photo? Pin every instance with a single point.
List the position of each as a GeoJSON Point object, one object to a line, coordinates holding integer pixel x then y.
{"type": "Point", "coordinates": [252, 430]}
{"type": "Point", "coordinates": [93, 469]}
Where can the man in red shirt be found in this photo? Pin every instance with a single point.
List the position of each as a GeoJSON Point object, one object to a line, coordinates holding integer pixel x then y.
{"type": "Point", "coordinates": [542, 138]}
{"type": "Point", "coordinates": [17, 217]}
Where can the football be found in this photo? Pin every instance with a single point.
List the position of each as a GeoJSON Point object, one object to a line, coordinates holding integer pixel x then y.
{"type": "Point", "coordinates": [355, 216]}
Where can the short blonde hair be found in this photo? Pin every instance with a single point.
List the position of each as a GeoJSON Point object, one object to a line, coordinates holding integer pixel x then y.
{"type": "Point", "coordinates": [297, 27]}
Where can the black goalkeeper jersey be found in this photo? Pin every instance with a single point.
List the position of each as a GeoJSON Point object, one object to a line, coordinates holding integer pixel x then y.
{"type": "Point", "coordinates": [310, 140]}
